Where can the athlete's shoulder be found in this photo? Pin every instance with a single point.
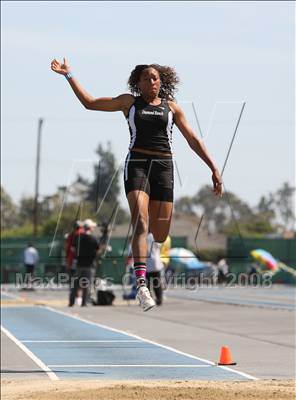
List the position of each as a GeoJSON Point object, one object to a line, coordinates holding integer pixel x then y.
{"type": "Point", "coordinates": [173, 106]}
{"type": "Point", "coordinates": [126, 98]}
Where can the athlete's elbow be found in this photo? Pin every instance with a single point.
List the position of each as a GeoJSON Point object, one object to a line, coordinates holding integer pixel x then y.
{"type": "Point", "coordinates": [88, 104]}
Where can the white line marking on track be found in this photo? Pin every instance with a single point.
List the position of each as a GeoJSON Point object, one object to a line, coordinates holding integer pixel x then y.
{"type": "Point", "coordinates": [12, 296]}
{"type": "Point", "coordinates": [149, 341]}
{"type": "Point", "coordinates": [45, 368]}
{"type": "Point", "coordinates": [130, 366]}
{"type": "Point", "coordinates": [80, 341]}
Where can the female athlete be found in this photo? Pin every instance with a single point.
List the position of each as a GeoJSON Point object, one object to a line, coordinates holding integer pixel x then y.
{"type": "Point", "coordinates": [151, 112]}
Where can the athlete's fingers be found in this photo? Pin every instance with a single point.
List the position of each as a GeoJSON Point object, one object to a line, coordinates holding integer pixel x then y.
{"type": "Point", "coordinates": [217, 189]}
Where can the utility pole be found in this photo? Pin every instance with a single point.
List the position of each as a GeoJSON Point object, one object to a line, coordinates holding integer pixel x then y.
{"type": "Point", "coordinates": [35, 222]}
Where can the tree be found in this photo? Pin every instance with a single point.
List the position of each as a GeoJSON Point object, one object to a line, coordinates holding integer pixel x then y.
{"type": "Point", "coordinates": [219, 212]}
{"type": "Point", "coordinates": [46, 207]}
{"type": "Point", "coordinates": [266, 208]}
{"type": "Point", "coordinates": [284, 202]}
{"type": "Point", "coordinates": [255, 226]}
{"type": "Point", "coordinates": [82, 198]}
{"type": "Point", "coordinates": [50, 205]}
{"type": "Point", "coordinates": [106, 180]}
{"type": "Point", "coordinates": [61, 220]}
{"type": "Point", "coordinates": [185, 205]}
{"type": "Point", "coordinates": [9, 211]}
{"type": "Point", "coordinates": [26, 212]}
{"type": "Point", "coordinates": [78, 191]}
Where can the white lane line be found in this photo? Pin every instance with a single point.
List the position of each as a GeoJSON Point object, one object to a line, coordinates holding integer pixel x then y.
{"type": "Point", "coordinates": [80, 341]}
{"type": "Point", "coordinates": [129, 366]}
{"type": "Point", "coordinates": [12, 296]}
{"type": "Point", "coordinates": [44, 367]}
{"type": "Point", "coordinates": [241, 373]}
{"type": "Point", "coordinates": [150, 341]}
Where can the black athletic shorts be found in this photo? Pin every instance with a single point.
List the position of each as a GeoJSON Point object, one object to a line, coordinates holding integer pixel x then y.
{"type": "Point", "coordinates": [152, 174]}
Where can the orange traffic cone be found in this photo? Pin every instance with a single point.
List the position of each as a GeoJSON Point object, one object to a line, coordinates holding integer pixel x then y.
{"type": "Point", "coordinates": [225, 356]}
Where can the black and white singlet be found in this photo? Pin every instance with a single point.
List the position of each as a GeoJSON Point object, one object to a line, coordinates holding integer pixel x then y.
{"type": "Point", "coordinates": [150, 126]}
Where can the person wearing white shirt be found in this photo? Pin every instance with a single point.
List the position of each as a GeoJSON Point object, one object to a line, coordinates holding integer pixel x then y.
{"type": "Point", "coordinates": [31, 258]}
{"type": "Point", "coordinates": [154, 268]}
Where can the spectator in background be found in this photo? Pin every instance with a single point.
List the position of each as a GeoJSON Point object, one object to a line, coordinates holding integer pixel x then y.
{"type": "Point", "coordinates": [154, 268]}
{"type": "Point", "coordinates": [85, 246]}
{"type": "Point", "coordinates": [31, 258]}
{"type": "Point", "coordinates": [129, 277]}
{"type": "Point", "coordinates": [252, 272]}
{"type": "Point", "coordinates": [70, 251]}
{"type": "Point", "coordinates": [223, 270]}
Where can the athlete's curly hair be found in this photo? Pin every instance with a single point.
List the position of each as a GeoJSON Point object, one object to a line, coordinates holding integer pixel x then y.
{"type": "Point", "coordinates": [168, 80]}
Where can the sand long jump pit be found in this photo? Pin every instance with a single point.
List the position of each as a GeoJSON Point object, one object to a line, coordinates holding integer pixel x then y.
{"type": "Point", "coordinates": [150, 390]}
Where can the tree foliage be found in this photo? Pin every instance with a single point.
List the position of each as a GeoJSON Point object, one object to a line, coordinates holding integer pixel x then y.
{"type": "Point", "coordinates": [106, 178]}
{"type": "Point", "coordinates": [185, 205]}
{"type": "Point", "coordinates": [220, 212]}
{"type": "Point", "coordinates": [9, 211]}
{"type": "Point", "coordinates": [284, 197]}
{"type": "Point", "coordinates": [232, 216]}
{"type": "Point", "coordinates": [97, 199]}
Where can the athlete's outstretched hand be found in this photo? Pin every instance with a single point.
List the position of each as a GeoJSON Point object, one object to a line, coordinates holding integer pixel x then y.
{"type": "Point", "coordinates": [217, 182]}
{"type": "Point", "coordinates": [60, 68]}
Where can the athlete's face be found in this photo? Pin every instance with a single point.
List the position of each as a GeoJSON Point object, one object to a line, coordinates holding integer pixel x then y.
{"type": "Point", "coordinates": [149, 82]}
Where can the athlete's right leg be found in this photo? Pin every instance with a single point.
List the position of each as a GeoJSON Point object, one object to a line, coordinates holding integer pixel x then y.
{"type": "Point", "coordinates": [137, 190]}
{"type": "Point", "coordinates": [138, 204]}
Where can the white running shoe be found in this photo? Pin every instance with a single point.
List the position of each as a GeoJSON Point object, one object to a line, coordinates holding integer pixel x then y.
{"type": "Point", "coordinates": [145, 299]}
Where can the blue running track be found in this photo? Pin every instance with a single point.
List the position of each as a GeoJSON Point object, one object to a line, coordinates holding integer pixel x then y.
{"type": "Point", "coordinates": [71, 347]}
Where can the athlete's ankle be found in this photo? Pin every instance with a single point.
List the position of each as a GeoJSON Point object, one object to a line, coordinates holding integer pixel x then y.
{"type": "Point", "coordinates": [141, 282]}
{"type": "Point", "coordinates": [140, 272]}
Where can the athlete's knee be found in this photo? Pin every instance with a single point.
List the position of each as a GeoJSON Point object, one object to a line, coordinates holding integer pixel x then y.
{"type": "Point", "coordinates": [160, 237]}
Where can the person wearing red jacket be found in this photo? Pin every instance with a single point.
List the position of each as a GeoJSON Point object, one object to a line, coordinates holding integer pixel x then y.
{"type": "Point", "coordinates": [70, 252]}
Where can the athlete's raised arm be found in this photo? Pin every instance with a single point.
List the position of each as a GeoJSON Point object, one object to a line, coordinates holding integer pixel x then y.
{"type": "Point", "coordinates": [197, 145]}
{"type": "Point", "coordinates": [119, 103]}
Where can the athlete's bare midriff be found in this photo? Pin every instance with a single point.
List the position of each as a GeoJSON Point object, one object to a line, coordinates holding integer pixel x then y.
{"type": "Point", "coordinates": [145, 151]}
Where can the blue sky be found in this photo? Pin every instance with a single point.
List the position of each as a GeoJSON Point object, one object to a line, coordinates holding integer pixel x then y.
{"type": "Point", "coordinates": [224, 52]}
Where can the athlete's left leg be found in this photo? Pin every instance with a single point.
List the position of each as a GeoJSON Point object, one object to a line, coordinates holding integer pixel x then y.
{"type": "Point", "coordinates": [160, 216]}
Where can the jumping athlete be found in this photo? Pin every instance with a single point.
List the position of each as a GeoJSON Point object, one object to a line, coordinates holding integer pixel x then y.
{"type": "Point", "coordinates": [151, 113]}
